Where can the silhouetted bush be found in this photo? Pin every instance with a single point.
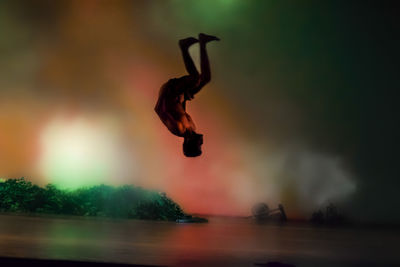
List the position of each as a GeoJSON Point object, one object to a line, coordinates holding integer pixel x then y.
{"type": "Point", "coordinates": [331, 216]}
{"type": "Point", "coordinates": [318, 217]}
{"type": "Point", "coordinates": [19, 195]}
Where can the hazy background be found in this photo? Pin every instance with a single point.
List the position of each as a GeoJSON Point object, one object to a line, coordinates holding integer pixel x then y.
{"type": "Point", "coordinates": [301, 109]}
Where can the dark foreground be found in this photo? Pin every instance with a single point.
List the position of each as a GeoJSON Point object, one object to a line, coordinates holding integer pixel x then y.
{"type": "Point", "coordinates": [9, 261]}
{"type": "Point", "coordinates": [221, 242]}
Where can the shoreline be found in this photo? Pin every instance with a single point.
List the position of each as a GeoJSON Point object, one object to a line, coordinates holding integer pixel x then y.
{"type": "Point", "coordinates": [217, 218]}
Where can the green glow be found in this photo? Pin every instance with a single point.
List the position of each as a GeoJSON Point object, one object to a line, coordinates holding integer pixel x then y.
{"type": "Point", "coordinates": [78, 153]}
{"type": "Point", "coordinates": [209, 13]}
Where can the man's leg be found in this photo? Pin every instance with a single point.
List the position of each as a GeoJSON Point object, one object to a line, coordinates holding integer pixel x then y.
{"type": "Point", "coordinates": [205, 75]}
{"type": "Point", "coordinates": [184, 44]}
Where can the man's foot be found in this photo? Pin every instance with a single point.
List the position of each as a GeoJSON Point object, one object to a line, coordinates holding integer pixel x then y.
{"type": "Point", "coordinates": [185, 43]}
{"type": "Point", "coordinates": [204, 38]}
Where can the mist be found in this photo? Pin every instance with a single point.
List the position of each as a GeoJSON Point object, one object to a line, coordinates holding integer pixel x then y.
{"type": "Point", "coordinates": [300, 110]}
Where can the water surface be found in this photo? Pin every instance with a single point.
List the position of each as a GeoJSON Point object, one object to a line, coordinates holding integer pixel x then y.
{"type": "Point", "coordinates": [222, 241]}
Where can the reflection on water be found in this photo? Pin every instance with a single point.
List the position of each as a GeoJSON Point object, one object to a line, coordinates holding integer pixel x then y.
{"type": "Point", "coordinates": [233, 241]}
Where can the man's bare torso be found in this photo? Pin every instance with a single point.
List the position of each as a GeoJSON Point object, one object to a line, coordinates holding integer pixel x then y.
{"type": "Point", "coordinates": [171, 105]}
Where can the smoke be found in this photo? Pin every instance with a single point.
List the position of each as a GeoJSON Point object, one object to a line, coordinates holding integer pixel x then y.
{"type": "Point", "coordinates": [301, 179]}
{"type": "Point", "coordinates": [281, 73]}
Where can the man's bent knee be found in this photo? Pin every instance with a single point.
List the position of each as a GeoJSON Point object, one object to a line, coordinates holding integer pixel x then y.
{"type": "Point", "coordinates": [205, 77]}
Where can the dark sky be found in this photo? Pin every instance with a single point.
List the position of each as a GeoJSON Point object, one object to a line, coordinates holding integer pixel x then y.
{"type": "Point", "coordinates": [337, 63]}
{"type": "Point", "coordinates": [304, 95]}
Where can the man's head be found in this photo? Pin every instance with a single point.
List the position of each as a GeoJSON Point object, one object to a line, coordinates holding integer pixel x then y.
{"type": "Point", "coordinates": [192, 144]}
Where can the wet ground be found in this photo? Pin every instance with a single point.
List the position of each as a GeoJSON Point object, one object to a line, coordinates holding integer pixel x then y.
{"type": "Point", "coordinates": [221, 242]}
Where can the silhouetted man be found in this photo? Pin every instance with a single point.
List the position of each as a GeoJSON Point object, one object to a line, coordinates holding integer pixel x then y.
{"type": "Point", "coordinates": [171, 104]}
